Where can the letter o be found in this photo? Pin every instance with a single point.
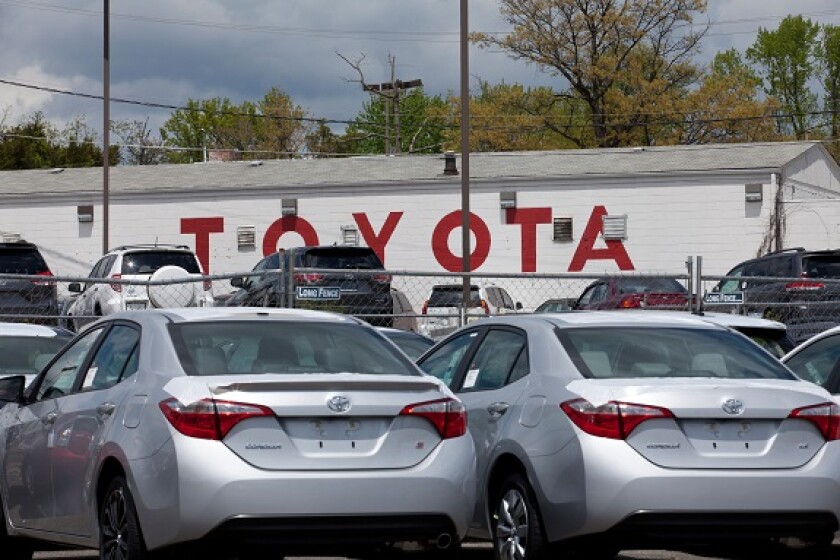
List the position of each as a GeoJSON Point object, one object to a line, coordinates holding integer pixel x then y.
{"type": "Point", "coordinates": [288, 224]}
{"type": "Point", "coordinates": [440, 242]}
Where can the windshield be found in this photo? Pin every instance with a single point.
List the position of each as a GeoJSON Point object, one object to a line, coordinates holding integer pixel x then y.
{"type": "Point", "coordinates": [642, 285]}
{"type": "Point", "coordinates": [26, 355]}
{"type": "Point", "coordinates": [246, 347]}
{"type": "Point", "coordinates": [624, 352]}
{"type": "Point", "coordinates": [147, 262]}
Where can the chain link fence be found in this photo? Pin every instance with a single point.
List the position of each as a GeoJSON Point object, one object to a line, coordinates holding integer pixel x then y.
{"type": "Point", "coordinates": [431, 303]}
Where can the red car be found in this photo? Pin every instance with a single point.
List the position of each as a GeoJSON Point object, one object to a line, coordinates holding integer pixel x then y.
{"type": "Point", "coordinates": [632, 293]}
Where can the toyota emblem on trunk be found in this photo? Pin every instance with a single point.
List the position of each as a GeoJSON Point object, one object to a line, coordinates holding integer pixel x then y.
{"type": "Point", "coordinates": [733, 406]}
{"type": "Point", "coordinates": [339, 404]}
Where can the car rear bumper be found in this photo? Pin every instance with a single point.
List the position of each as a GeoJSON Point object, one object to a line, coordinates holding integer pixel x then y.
{"type": "Point", "coordinates": [215, 492]}
{"type": "Point", "coordinates": [610, 488]}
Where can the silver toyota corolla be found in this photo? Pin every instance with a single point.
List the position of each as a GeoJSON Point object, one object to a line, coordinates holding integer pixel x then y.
{"type": "Point", "coordinates": [207, 429]}
{"type": "Point", "coordinates": [608, 430]}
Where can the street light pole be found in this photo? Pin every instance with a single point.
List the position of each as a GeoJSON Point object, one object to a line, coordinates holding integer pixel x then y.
{"type": "Point", "coordinates": [465, 156]}
{"type": "Point", "coordinates": [106, 125]}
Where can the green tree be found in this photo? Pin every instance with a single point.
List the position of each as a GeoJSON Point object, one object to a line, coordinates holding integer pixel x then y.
{"type": "Point", "coordinates": [828, 54]}
{"type": "Point", "coordinates": [617, 58]}
{"type": "Point", "coordinates": [421, 129]}
{"type": "Point", "coordinates": [35, 143]}
{"type": "Point", "coordinates": [786, 61]}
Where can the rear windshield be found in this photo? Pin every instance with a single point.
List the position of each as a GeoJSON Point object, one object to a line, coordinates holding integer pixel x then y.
{"type": "Point", "coordinates": [619, 352]}
{"type": "Point", "coordinates": [642, 285]}
{"type": "Point", "coordinates": [148, 262]}
{"type": "Point", "coordinates": [284, 347]}
{"type": "Point", "coordinates": [21, 261]}
{"type": "Point", "coordinates": [827, 266]}
{"type": "Point", "coordinates": [340, 257]}
{"type": "Point", "coordinates": [452, 296]}
{"type": "Point", "coordinates": [26, 355]}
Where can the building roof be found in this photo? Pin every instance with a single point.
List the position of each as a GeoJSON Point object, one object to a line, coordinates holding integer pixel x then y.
{"type": "Point", "coordinates": [647, 161]}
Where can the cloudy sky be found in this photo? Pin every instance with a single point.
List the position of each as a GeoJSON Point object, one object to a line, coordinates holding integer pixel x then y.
{"type": "Point", "coordinates": [168, 51]}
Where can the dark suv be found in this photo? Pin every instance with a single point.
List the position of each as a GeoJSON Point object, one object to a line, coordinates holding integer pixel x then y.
{"type": "Point", "coordinates": [26, 300]}
{"type": "Point", "coordinates": [357, 290]}
{"type": "Point", "coordinates": [798, 287]}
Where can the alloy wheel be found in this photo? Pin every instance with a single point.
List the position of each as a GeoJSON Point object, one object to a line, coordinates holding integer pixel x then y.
{"type": "Point", "coordinates": [512, 526]}
{"type": "Point", "coordinates": [114, 526]}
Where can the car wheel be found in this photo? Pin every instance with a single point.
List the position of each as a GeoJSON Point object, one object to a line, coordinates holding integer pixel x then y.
{"type": "Point", "coordinates": [516, 524]}
{"type": "Point", "coordinates": [12, 548]}
{"type": "Point", "coordinates": [120, 537]}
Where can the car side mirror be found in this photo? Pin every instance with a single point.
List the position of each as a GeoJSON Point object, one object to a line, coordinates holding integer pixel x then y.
{"type": "Point", "coordinates": [75, 287]}
{"type": "Point", "coordinates": [518, 305]}
{"type": "Point", "coordinates": [238, 282]}
{"type": "Point", "coordinates": [11, 389]}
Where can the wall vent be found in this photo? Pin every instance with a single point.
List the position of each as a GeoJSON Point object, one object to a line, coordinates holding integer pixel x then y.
{"type": "Point", "coordinates": [562, 229]}
{"type": "Point", "coordinates": [246, 237]}
{"type": "Point", "coordinates": [615, 226]}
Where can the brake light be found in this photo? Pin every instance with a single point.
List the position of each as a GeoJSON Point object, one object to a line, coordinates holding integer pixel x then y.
{"type": "Point", "coordinates": [614, 420]}
{"type": "Point", "coordinates": [825, 416]}
{"type": "Point", "coordinates": [425, 307]}
{"type": "Point", "coordinates": [631, 302]}
{"type": "Point", "coordinates": [41, 282]}
{"type": "Point", "coordinates": [309, 278]}
{"type": "Point", "coordinates": [381, 278]}
{"type": "Point", "coordinates": [485, 307]}
{"type": "Point", "coordinates": [448, 416]}
{"type": "Point", "coordinates": [804, 285]}
{"type": "Point", "coordinates": [116, 287]}
{"type": "Point", "coordinates": [209, 418]}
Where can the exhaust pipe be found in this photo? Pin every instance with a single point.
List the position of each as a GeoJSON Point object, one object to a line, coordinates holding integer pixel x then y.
{"type": "Point", "coordinates": [444, 541]}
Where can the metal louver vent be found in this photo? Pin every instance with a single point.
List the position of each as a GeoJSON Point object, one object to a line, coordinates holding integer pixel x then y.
{"type": "Point", "coordinates": [562, 229]}
{"type": "Point", "coordinates": [246, 237]}
{"type": "Point", "coordinates": [615, 226]}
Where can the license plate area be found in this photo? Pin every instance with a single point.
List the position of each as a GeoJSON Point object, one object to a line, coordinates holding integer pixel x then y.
{"type": "Point", "coordinates": [731, 436]}
{"type": "Point", "coordinates": [135, 306]}
{"type": "Point", "coordinates": [314, 436]}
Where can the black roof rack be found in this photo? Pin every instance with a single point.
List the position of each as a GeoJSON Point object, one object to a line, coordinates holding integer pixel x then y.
{"type": "Point", "coordinates": [789, 250]}
{"type": "Point", "coordinates": [151, 246]}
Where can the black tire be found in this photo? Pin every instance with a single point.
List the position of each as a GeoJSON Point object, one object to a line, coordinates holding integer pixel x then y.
{"type": "Point", "coordinates": [120, 537]}
{"type": "Point", "coordinates": [12, 548]}
{"type": "Point", "coordinates": [516, 524]}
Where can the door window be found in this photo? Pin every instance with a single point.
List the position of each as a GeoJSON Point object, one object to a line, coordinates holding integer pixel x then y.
{"type": "Point", "coordinates": [114, 360]}
{"type": "Point", "coordinates": [816, 362]}
{"type": "Point", "coordinates": [61, 376]}
{"type": "Point", "coordinates": [599, 293]}
{"type": "Point", "coordinates": [495, 360]}
{"type": "Point", "coordinates": [96, 271]}
{"type": "Point", "coordinates": [734, 284]}
{"type": "Point", "coordinates": [443, 363]}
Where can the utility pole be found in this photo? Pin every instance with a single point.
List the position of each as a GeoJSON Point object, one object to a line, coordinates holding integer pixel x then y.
{"type": "Point", "coordinates": [391, 91]}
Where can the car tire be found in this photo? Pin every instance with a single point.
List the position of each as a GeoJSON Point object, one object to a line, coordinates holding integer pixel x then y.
{"type": "Point", "coordinates": [516, 524]}
{"type": "Point", "coordinates": [13, 548]}
{"type": "Point", "coordinates": [119, 526]}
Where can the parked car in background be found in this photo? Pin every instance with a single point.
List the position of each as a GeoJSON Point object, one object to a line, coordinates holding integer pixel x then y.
{"type": "Point", "coordinates": [556, 305]}
{"type": "Point", "coordinates": [30, 299]}
{"type": "Point", "coordinates": [97, 297]}
{"type": "Point", "coordinates": [412, 343]}
{"type": "Point", "coordinates": [209, 431]}
{"type": "Point", "coordinates": [798, 287]}
{"type": "Point", "coordinates": [625, 292]}
{"type": "Point", "coordinates": [405, 317]}
{"type": "Point", "coordinates": [25, 348]}
{"type": "Point", "coordinates": [442, 310]}
{"type": "Point", "coordinates": [601, 431]}
{"type": "Point", "coordinates": [818, 360]}
{"type": "Point", "coordinates": [361, 291]}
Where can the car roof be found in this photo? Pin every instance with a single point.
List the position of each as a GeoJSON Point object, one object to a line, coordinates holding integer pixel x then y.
{"type": "Point", "coordinates": [605, 318]}
{"type": "Point", "coordinates": [724, 319]}
{"type": "Point", "coordinates": [27, 329]}
{"type": "Point", "coordinates": [188, 314]}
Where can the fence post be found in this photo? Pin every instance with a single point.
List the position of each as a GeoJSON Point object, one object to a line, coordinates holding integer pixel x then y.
{"type": "Point", "coordinates": [689, 266]}
{"type": "Point", "coordinates": [289, 284]}
{"type": "Point", "coordinates": [698, 269]}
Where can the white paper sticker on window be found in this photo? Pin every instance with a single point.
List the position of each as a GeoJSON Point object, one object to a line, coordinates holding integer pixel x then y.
{"type": "Point", "coordinates": [472, 375]}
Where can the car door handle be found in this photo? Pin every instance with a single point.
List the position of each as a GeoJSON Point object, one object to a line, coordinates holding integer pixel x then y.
{"type": "Point", "coordinates": [49, 419]}
{"type": "Point", "coordinates": [497, 410]}
{"type": "Point", "coordinates": [106, 409]}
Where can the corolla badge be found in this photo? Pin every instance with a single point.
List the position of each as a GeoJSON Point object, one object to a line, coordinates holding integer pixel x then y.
{"type": "Point", "coordinates": [339, 404]}
{"type": "Point", "coordinates": [733, 406]}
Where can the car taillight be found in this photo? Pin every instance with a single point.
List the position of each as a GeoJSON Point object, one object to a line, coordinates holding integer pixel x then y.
{"type": "Point", "coordinates": [485, 307]}
{"type": "Point", "coordinates": [804, 286]}
{"type": "Point", "coordinates": [44, 283]}
{"type": "Point", "coordinates": [614, 420]}
{"type": "Point", "coordinates": [425, 307]}
{"type": "Point", "coordinates": [116, 287]}
{"type": "Point", "coordinates": [825, 416]}
{"type": "Point", "coordinates": [208, 418]}
{"type": "Point", "coordinates": [381, 278]}
{"type": "Point", "coordinates": [448, 416]}
{"type": "Point", "coordinates": [631, 302]}
{"type": "Point", "coordinates": [309, 278]}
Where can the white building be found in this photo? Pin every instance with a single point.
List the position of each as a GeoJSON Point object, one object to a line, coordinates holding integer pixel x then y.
{"type": "Point", "coordinates": [534, 211]}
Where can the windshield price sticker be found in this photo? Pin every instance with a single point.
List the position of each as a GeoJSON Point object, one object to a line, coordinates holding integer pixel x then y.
{"type": "Point", "coordinates": [318, 293]}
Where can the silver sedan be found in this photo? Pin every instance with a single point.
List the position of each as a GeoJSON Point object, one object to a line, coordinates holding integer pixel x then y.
{"type": "Point", "coordinates": [228, 428]}
{"type": "Point", "coordinates": [602, 431]}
